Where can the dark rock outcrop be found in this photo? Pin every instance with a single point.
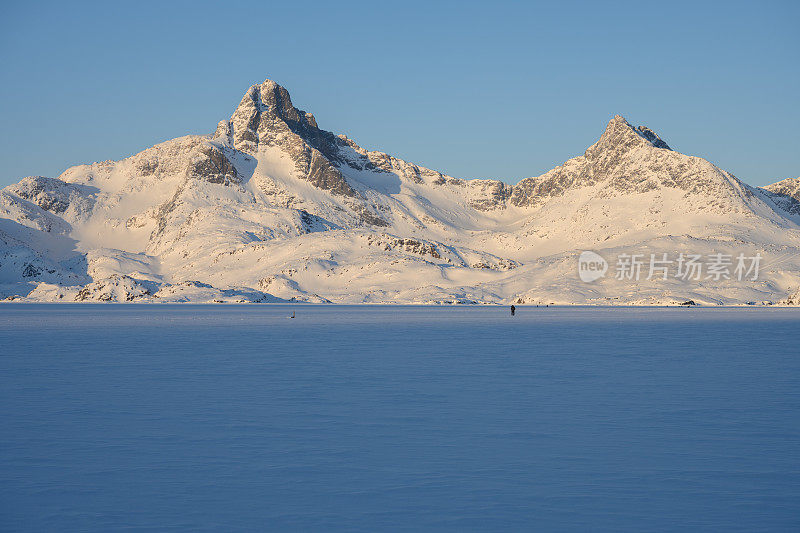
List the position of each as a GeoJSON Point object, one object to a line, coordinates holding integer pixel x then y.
{"type": "Point", "coordinates": [213, 166]}
{"type": "Point", "coordinates": [266, 117]}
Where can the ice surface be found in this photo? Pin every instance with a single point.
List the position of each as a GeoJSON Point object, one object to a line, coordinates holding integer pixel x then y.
{"type": "Point", "coordinates": [381, 418]}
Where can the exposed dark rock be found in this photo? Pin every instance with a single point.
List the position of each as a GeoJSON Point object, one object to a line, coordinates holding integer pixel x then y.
{"type": "Point", "coordinates": [213, 166]}
{"type": "Point", "coordinates": [413, 246]}
{"type": "Point", "coordinates": [786, 194]}
{"type": "Point", "coordinates": [617, 159]}
{"type": "Point", "coordinates": [367, 217]}
{"type": "Point", "coordinates": [654, 139]}
{"type": "Point", "coordinates": [494, 195]}
{"type": "Point", "coordinates": [115, 288]}
{"type": "Point", "coordinates": [311, 222]}
{"type": "Point", "coordinates": [31, 271]}
{"type": "Point", "coordinates": [267, 117]}
{"type": "Point", "coordinates": [52, 194]}
{"type": "Point", "coordinates": [793, 298]}
{"type": "Point", "coordinates": [500, 264]}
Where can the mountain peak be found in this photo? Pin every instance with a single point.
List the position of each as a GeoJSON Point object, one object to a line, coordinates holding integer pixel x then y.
{"type": "Point", "coordinates": [263, 106]}
{"type": "Point", "coordinates": [621, 134]}
{"type": "Point", "coordinates": [276, 99]}
{"type": "Point", "coordinates": [266, 118]}
{"type": "Point", "coordinates": [275, 207]}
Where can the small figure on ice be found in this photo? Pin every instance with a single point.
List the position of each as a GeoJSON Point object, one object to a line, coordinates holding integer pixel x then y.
{"type": "Point", "coordinates": [513, 310]}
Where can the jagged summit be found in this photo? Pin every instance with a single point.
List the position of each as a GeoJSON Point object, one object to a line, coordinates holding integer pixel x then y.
{"type": "Point", "coordinates": [619, 133]}
{"type": "Point", "coordinates": [273, 208]}
{"type": "Point", "coordinates": [266, 118]}
{"type": "Point", "coordinates": [277, 98]}
{"type": "Point", "coordinates": [263, 108]}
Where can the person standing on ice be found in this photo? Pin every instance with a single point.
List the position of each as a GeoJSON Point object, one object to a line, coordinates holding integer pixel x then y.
{"type": "Point", "coordinates": [513, 309]}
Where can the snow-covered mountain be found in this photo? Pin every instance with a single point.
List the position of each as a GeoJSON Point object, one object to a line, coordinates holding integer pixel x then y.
{"type": "Point", "coordinates": [272, 208]}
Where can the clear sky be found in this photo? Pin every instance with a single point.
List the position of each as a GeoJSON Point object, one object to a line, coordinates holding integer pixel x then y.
{"type": "Point", "coordinates": [474, 89]}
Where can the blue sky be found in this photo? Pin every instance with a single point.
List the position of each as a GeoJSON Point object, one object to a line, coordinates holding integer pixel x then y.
{"type": "Point", "coordinates": [501, 89]}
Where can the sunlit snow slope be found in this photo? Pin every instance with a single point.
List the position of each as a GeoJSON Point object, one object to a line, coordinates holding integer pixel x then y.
{"type": "Point", "coordinates": [272, 208]}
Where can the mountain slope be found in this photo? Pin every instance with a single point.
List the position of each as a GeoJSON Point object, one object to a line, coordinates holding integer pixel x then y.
{"type": "Point", "coordinates": [271, 207]}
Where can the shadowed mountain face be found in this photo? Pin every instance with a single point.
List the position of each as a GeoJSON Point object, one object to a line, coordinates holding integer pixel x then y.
{"type": "Point", "coordinates": [271, 208]}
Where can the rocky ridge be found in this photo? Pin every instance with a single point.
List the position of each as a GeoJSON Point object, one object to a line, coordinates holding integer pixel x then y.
{"type": "Point", "coordinates": [270, 207]}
